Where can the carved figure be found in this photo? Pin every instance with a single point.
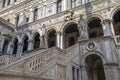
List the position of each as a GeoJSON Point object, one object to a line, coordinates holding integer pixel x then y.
{"type": "Point", "coordinates": [82, 26]}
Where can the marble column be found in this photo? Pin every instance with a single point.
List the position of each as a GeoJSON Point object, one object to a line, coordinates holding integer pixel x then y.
{"type": "Point", "coordinates": [58, 39]}
{"type": "Point", "coordinates": [111, 71]}
{"type": "Point", "coordinates": [55, 7]}
{"type": "Point", "coordinates": [107, 27]}
{"type": "Point", "coordinates": [12, 1]}
{"type": "Point", "coordinates": [6, 3]}
{"type": "Point", "coordinates": [20, 49]}
{"type": "Point", "coordinates": [46, 41]}
{"type": "Point", "coordinates": [31, 15]}
{"type": "Point", "coordinates": [42, 42]}
{"type": "Point", "coordinates": [64, 7]}
{"type": "Point", "coordinates": [61, 41]}
{"type": "Point", "coordinates": [9, 48]}
{"type": "Point", "coordinates": [30, 44]}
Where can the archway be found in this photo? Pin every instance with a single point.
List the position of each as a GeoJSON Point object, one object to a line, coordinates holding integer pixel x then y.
{"type": "Point", "coordinates": [95, 28]}
{"type": "Point", "coordinates": [5, 46]}
{"type": "Point", "coordinates": [15, 46]}
{"type": "Point", "coordinates": [95, 68]}
{"type": "Point", "coordinates": [71, 34]}
{"type": "Point", "coordinates": [25, 45]}
{"type": "Point", "coordinates": [51, 38]}
{"type": "Point", "coordinates": [37, 41]}
{"type": "Point", "coordinates": [116, 23]}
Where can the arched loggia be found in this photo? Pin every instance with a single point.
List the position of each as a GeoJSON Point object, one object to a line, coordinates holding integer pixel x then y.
{"type": "Point", "coordinates": [25, 44]}
{"type": "Point", "coordinates": [37, 41]}
{"type": "Point", "coordinates": [71, 34]}
{"type": "Point", "coordinates": [116, 23]}
{"type": "Point", "coordinates": [51, 38]}
{"type": "Point", "coordinates": [95, 28]}
{"type": "Point", "coordinates": [15, 46]}
{"type": "Point", "coordinates": [95, 69]}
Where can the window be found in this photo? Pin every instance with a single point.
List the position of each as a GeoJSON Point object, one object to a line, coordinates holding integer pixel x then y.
{"type": "Point", "coordinates": [8, 2]}
{"type": "Point", "coordinates": [85, 1]}
{"type": "Point", "coordinates": [4, 3]}
{"type": "Point", "coordinates": [27, 19]}
{"type": "Point", "coordinates": [59, 6]}
{"type": "Point", "coordinates": [35, 14]}
{"type": "Point", "coordinates": [73, 3]}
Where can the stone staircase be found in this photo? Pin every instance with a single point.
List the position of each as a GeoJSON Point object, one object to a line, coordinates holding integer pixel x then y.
{"type": "Point", "coordinates": [45, 64]}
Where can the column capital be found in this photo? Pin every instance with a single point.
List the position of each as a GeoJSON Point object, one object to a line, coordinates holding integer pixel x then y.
{"type": "Point", "coordinates": [107, 21]}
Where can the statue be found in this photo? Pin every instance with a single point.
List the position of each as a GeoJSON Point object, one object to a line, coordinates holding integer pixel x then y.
{"type": "Point", "coordinates": [82, 27]}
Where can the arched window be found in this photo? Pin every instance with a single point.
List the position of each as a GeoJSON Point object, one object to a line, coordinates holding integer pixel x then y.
{"type": "Point", "coordinates": [37, 41]}
{"type": "Point", "coordinates": [25, 46]}
{"type": "Point", "coordinates": [95, 69]}
{"type": "Point", "coordinates": [116, 23]}
{"type": "Point", "coordinates": [15, 46]}
{"type": "Point", "coordinates": [73, 3]}
{"type": "Point", "coordinates": [52, 38]}
{"type": "Point", "coordinates": [59, 6]}
{"type": "Point", "coordinates": [35, 14]}
{"type": "Point", "coordinates": [71, 35]}
{"type": "Point", "coordinates": [5, 46]}
{"type": "Point", "coordinates": [3, 3]}
{"type": "Point", "coordinates": [95, 28]}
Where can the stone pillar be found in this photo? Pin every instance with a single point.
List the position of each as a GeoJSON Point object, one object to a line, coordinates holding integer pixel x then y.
{"type": "Point", "coordinates": [12, 1]}
{"type": "Point", "coordinates": [64, 6]}
{"type": "Point", "coordinates": [20, 49]}
{"type": "Point", "coordinates": [46, 41]}
{"type": "Point", "coordinates": [42, 42]}
{"type": "Point", "coordinates": [55, 7]}
{"type": "Point", "coordinates": [58, 39]}
{"type": "Point", "coordinates": [31, 15]}
{"type": "Point", "coordinates": [22, 19]}
{"type": "Point", "coordinates": [61, 41]}
{"type": "Point", "coordinates": [9, 48]}
{"type": "Point", "coordinates": [30, 44]}
{"type": "Point", "coordinates": [1, 45]}
{"type": "Point", "coordinates": [6, 2]}
{"type": "Point", "coordinates": [111, 71]}
{"type": "Point", "coordinates": [83, 75]}
{"type": "Point", "coordinates": [107, 28]}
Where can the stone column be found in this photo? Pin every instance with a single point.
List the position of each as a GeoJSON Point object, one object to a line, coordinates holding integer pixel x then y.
{"type": "Point", "coordinates": [83, 75]}
{"type": "Point", "coordinates": [46, 41]}
{"type": "Point", "coordinates": [31, 15]}
{"type": "Point", "coordinates": [30, 44]}
{"type": "Point", "coordinates": [12, 1]}
{"type": "Point", "coordinates": [55, 7]}
{"type": "Point", "coordinates": [9, 48]}
{"type": "Point", "coordinates": [1, 45]}
{"type": "Point", "coordinates": [111, 71]}
{"type": "Point", "coordinates": [20, 49]}
{"type": "Point", "coordinates": [61, 41]}
{"type": "Point", "coordinates": [64, 6]}
{"type": "Point", "coordinates": [6, 2]}
{"type": "Point", "coordinates": [107, 27]}
{"type": "Point", "coordinates": [58, 39]}
{"type": "Point", "coordinates": [42, 42]}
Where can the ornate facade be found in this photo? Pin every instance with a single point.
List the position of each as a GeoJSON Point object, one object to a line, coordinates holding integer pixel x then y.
{"type": "Point", "coordinates": [59, 39]}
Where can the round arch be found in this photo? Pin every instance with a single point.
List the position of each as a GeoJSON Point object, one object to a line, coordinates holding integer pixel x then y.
{"type": "Point", "coordinates": [70, 34]}
{"type": "Point", "coordinates": [95, 27]}
{"type": "Point", "coordinates": [51, 35]}
{"type": "Point", "coordinates": [95, 68]}
{"type": "Point", "coordinates": [83, 57]}
{"type": "Point", "coordinates": [91, 17]}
